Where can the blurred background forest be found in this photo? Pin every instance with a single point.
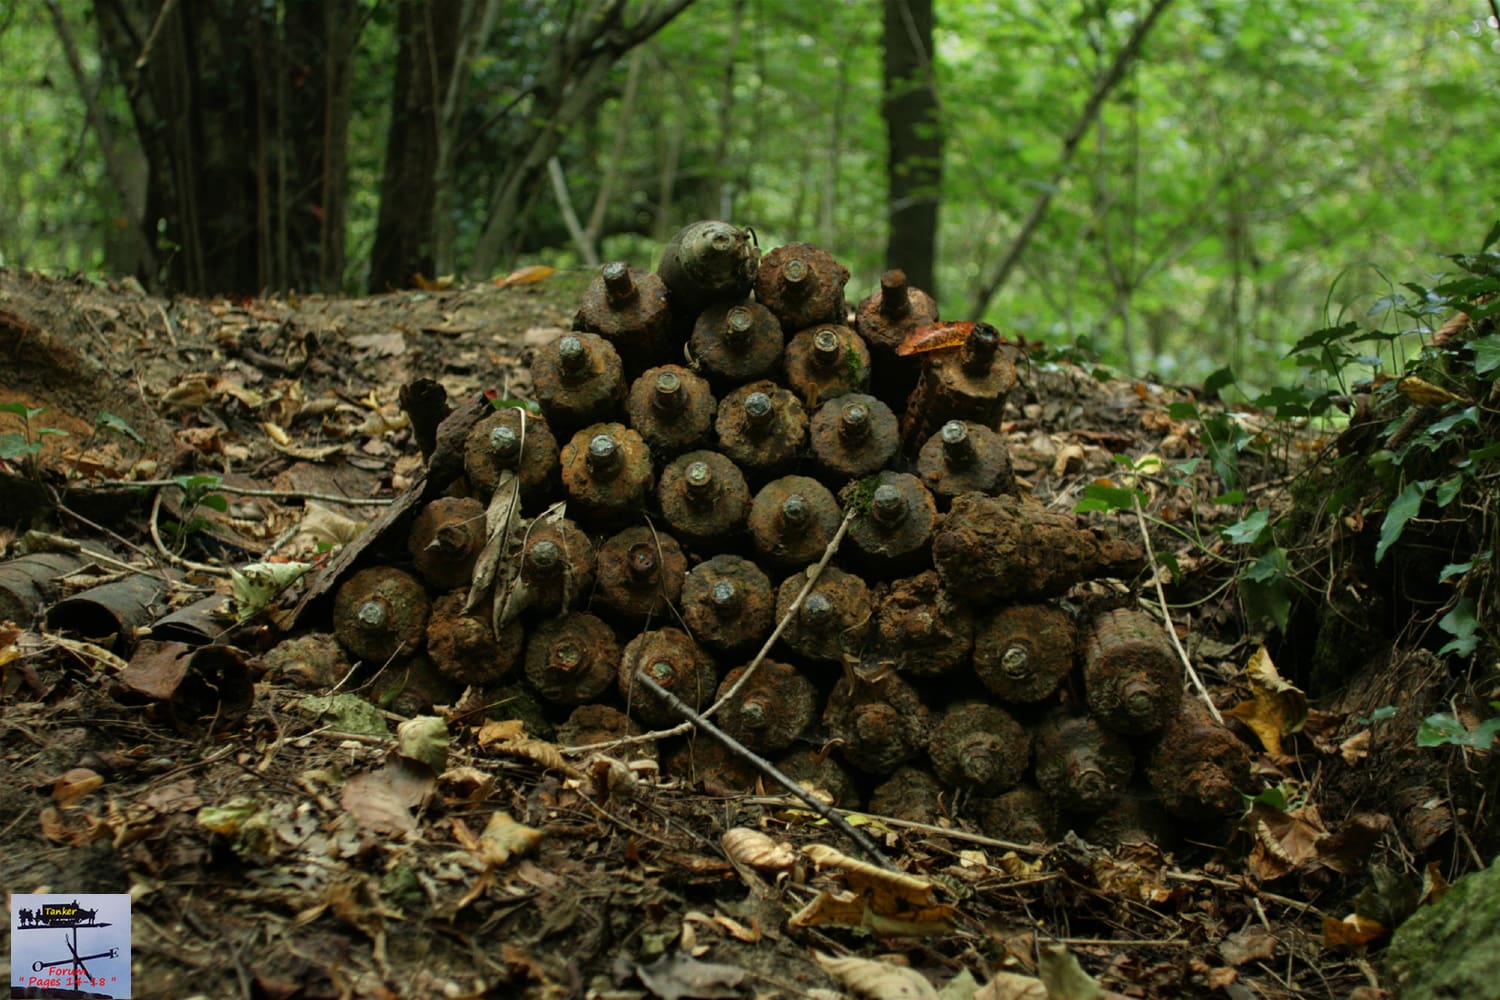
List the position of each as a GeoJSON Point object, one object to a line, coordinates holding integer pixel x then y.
{"type": "Point", "coordinates": [1174, 186]}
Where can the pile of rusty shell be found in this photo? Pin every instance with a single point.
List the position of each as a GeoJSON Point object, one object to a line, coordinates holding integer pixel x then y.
{"type": "Point", "coordinates": [910, 794]}
{"type": "Point", "coordinates": [1022, 653]}
{"type": "Point", "coordinates": [792, 520]}
{"type": "Point", "coordinates": [572, 659]}
{"type": "Point", "coordinates": [826, 361]}
{"type": "Point", "coordinates": [1023, 815]}
{"type": "Point", "coordinates": [969, 382]}
{"type": "Point", "coordinates": [1084, 767]}
{"type": "Point", "coordinates": [607, 472]}
{"type": "Point", "coordinates": [313, 661]}
{"type": "Point", "coordinates": [994, 549]}
{"type": "Point", "coordinates": [736, 342]}
{"type": "Point", "coordinates": [706, 261]}
{"type": "Point", "coordinates": [884, 319]}
{"type": "Point", "coordinates": [557, 564]}
{"type": "Point", "coordinates": [465, 646]}
{"type": "Point", "coordinates": [774, 707]}
{"type": "Point", "coordinates": [640, 573]}
{"type": "Point", "coordinates": [762, 428]}
{"type": "Point", "coordinates": [833, 618]}
{"type": "Point", "coordinates": [728, 603]}
{"type": "Point", "coordinates": [802, 285]}
{"type": "Point", "coordinates": [1132, 677]}
{"type": "Point", "coordinates": [708, 766]}
{"type": "Point", "coordinates": [1135, 819]}
{"type": "Point", "coordinates": [879, 722]}
{"type": "Point", "coordinates": [922, 629]}
{"type": "Point", "coordinates": [628, 307]}
{"type": "Point", "coordinates": [578, 380]}
{"type": "Point", "coordinates": [1198, 767]}
{"type": "Point", "coordinates": [674, 662]}
{"type": "Point", "coordinates": [852, 436]}
{"type": "Point", "coordinates": [587, 725]}
{"type": "Point", "coordinates": [671, 409]}
{"type": "Point", "coordinates": [703, 497]}
{"type": "Point", "coordinates": [446, 537]}
{"type": "Point", "coordinates": [980, 747]}
{"type": "Point", "coordinates": [380, 613]}
{"type": "Point", "coordinates": [821, 776]}
{"type": "Point", "coordinates": [894, 533]}
{"type": "Point", "coordinates": [965, 457]}
{"type": "Point", "coordinates": [514, 440]}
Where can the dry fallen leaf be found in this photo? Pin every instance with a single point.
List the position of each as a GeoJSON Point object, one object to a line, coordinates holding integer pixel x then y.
{"type": "Point", "coordinates": [1276, 707]}
{"type": "Point", "coordinates": [935, 337]}
{"type": "Point", "coordinates": [382, 800]}
{"type": "Point", "coordinates": [757, 849]}
{"type": "Point", "coordinates": [504, 838]}
{"type": "Point", "coordinates": [877, 980]}
{"type": "Point", "coordinates": [676, 976]}
{"type": "Point", "coordinates": [74, 785]}
{"type": "Point", "coordinates": [526, 275]}
{"type": "Point", "coordinates": [1424, 393]}
{"type": "Point", "coordinates": [1354, 931]}
{"type": "Point", "coordinates": [889, 904]}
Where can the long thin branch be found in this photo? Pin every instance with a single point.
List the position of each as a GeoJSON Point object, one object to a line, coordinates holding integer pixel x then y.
{"type": "Point", "coordinates": [249, 491]}
{"type": "Point", "coordinates": [581, 239]}
{"type": "Point", "coordinates": [1161, 597]}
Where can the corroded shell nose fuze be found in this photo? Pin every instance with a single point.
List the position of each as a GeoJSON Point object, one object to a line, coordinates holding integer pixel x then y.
{"type": "Point", "coordinates": [709, 260]}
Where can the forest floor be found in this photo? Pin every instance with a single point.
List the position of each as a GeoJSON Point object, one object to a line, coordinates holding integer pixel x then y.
{"type": "Point", "coordinates": [279, 855]}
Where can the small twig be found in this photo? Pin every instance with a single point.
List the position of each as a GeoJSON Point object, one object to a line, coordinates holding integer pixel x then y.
{"type": "Point", "coordinates": [176, 560]}
{"type": "Point", "coordinates": [765, 767]}
{"type": "Point", "coordinates": [908, 824]}
{"type": "Point", "coordinates": [250, 491]}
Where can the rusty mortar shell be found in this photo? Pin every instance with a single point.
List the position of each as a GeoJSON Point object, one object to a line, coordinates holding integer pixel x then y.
{"type": "Point", "coordinates": [880, 722]}
{"type": "Point", "coordinates": [587, 725]}
{"type": "Point", "coordinates": [833, 618]}
{"type": "Point", "coordinates": [1135, 819]}
{"type": "Point", "coordinates": [703, 498]}
{"type": "Point", "coordinates": [557, 564]}
{"type": "Point", "coordinates": [465, 646]}
{"type": "Point", "coordinates": [1132, 678]}
{"type": "Point", "coordinates": [894, 534]}
{"type": "Point", "coordinates": [313, 661]}
{"type": "Point", "coordinates": [1198, 766]}
{"type": "Point", "coordinates": [773, 708]}
{"type": "Point", "coordinates": [1023, 815]}
{"type": "Point", "coordinates": [980, 747]}
{"type": "Point", "coordinates": [445, 539]}
{"type": "Point", "coordinates": [1082, 766]}
{"type": "Point", "coordinates": [852, 436]}
{"type": "Point", "coordinates": [380, 613]}
{"type": "Point", "coordinates": [911, 794]}
{"type": "Point", "coordinates": [671, 408]}
{"type": "Point", "coordinates": [572, 659]}
{"type": "Point", "coordinates": [884, 319]}
{"type": "Point", "coordinates": [736, 342]}
{"type": "Point", "coordinates": [1023, 653]}
{"type": "Point", "coordinates": [578, 379]}
{"type": "Point", "coordinates": [965, 457]}
{"type": "Point", "coordinates": [607, 472]}
{"type": "Point", "coordinates": [707, 766]}
{"type": "Point", "coordinates": [640, 573]}
{"type": "Point", "coordinates": [708, 260]}
{"type": "Point", "coordinates": [792, 520]}
{"type": "Point", "coordinates": [969, 382]}
{"type": "Point", "coordinates": [802, 285]}
{"type": "Point", "coordinates": [826, 361]}
{"type": "Point", "coordinates": [628, 307]}
{"type": "Point", "coordinates": [762, 428]}
{"type": "Point", "coordinates": [821, 774]}
{"type": "Point", "coordinates": [501, 442]}
{"type": "Point", "coordinates": [922, 629]}
{"type": "Point", "coordinates": [728, 603]}
{"type": "Point", "coordinates": [673, 660]}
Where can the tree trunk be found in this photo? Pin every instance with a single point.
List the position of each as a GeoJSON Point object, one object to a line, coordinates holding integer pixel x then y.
{"type": "Point", "coordinates": [914, 166]}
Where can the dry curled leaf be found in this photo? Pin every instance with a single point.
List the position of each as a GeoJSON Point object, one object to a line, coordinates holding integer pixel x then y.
{"type": "Point", "coordinates": [526, 275]}
{"type": "Point", "coordinates": [877, 980]}
{"type": "Point", "coordinates": [1276, 707]}
{"type": "Point", "coordinates": [757, 849]}
{"type": "Point", "coordinates": [74, 785]}
{"type": "Point", "coordinates": [935, 337]}
{"type": "Point", "coordinates": [504, 838]}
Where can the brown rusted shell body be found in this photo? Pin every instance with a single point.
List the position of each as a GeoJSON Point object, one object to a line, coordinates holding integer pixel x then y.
{"type": "Point", "coordinates": [561, 581]}
{"type": "Point", "coordinates": [573, 658]}
{"type": "Point", "coordinates": [911, 794]}
{"type": "Point", "coordinates": [675, 662]}
{"type": "Point", "coordinates": [965, 457]}
{"type": "Point", "coordinates": [852, 436]}
{"type": "Point", "coordinates": [574, 396]}
{"type": "Point", "coordinates": [613, 491]}
{"type": "Point", "coordinates": [880, 723]}
{"type": "Point", "coordinates": [1132, 677]}
{"type": "Point", "coordinates": [704, 763]}
{"type": "Point", "coordinates": [380, 613]}
{"type": "Point", "coordinates": [671, 409]}
{"type": "Point", "coordinates": [445, 539]}
{"type": "Point", "coordinates": [728, 603]}
{"type": "Point", "coordinates": [1135, 819]}
{"type": "Point", "coordinates": [884, 319]}
{"type": "Point", "coordinates": [1023, 652]}
{"type": "Point", "coordinates": [826, 361]}
{"type": "Point", "coordinates": [1199, 767]}
{"type": "Point", "coordinates": [993, 549]}
{"type": "Point", "coordinates": [736, 342]}
{"type": "Point", "coordinates": [703, 497]}
{"type": "Point", "coordinates": [465, 646]}
{"type": "Point", "coordinates": [784, 541]}
{"type": "Point", "coordinates": [596, 723]}
{"type": "Point", "coordinates": [922, 629]}
{"type": "Point", "coordinates": [894, 533]}
{"type": "Point", "coordinates": [969, 382]}
{"type": "Point", "coordinates": [629, 307]}
{"type": "Point", "coordinates": [500, 442]}
{"type": "Point", "coordinates": [773, 708]}
{"type": "Point", "coordinates": [1084, 767]}
{"type": "Point", "coordinates": [764, 441]}
{"type": "Point", "coordinates": [822, 775]}
{"type": "Point", "coordinates": [802, 285]}
{"type": "Point", "coordinates": [640, 573]}
{"type": "Point", "coordinates": [705, 261]}
{"type": "Point", "coordinates": [1023, 815]}
{"type": "Point", "coordinates": [979, 746]}
{"type": "Point", "coordinates": [313, 661]}
{"type": "Point", "coordinates": [834, 616]}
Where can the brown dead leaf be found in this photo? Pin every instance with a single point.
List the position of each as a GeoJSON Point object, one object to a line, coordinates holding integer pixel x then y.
{"type": "Point", "coordinates": [1423, 393]}
{"type": "Point", "coordinates": [432, 284]}
{"type": "Point", "coordinates": [1254, 943]}
{"type": "Point", "coordinates": [494, 733]}
{"type": "Point", "coordinates": [877, 980]}
{"type": "Point", "coordinates": [757, 849]}
{"type": "Point", "coordinates": [529, 275]}
{"type": "Point", "coordinates": [504, 838]}
{"type": "Point", "coordinates": [1276, 707]}
{"type": "Point", "coordinates": [539, 752]}
{"type": "Point", "coordinates": [382, 800]}
{"type": "Point", "coordinates": [1284, 841]}
{"type": "Point", "coordinates": [1069, 456]}
{"type": "Point", "coordinates": [1354, 931]}
{"type": "Point", "coordinates": [1064, 978]}
{"type": "Point", "coordinates": [1011, 986]}
{"type": "Point", "coordinates": [1356, 748]}
{"type": "Point", "coordinates": [74, 785]}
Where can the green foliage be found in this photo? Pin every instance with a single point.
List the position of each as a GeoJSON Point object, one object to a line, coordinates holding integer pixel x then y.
{"type": "Point", "coordinates": [1445, 729]}
{"type": "Point", "coordinates": [24, 445]}
{"type": "Point", "coordinates": [197, 492]}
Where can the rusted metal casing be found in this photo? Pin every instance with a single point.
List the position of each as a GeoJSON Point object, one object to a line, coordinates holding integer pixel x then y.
{"type": "Point", "coordinates": [802, 285]}
{"type": "Point", "coordinates": [703, 497]}
{"type": "Point", "coordinates": [510, 439]}
{"type": "Point", "coordinates": [826, 361]}
{"type": "Point", "coordinates": [1023, 652]}
{"type": "Point", "coordinates": [736, 342]}
{"type": "Point", "coordinates": [640, 573]}
{"type": "Point", "coordinates": [671, 409]}
{"type": "Point", "coordinates": [578, 379]}
{"type": "Point", "coordinates": [979, 747]}
{"type": "Point", "coordinates": [1082, 766]}
{"type": "Point", "coordinates": [380, 613]}
{"type": "Point", "coordinates": [1132, 677]}
{"type": "Point", "coordinates": [852, 436]}
{"type": "Point", "coordinates": [773, 708]}
{"type": "Point", "coordinates": [573, 658]}
{"type": "Point", "coordinates": [922, 629]}
{"type": "Point", "coordinates": [833, 619]}
{"type": "Point", "coordinates": [628, 307]}
{"type": "Point", "coordinates": [762, 428]}
{"type": "Point", "coordinates": [607, 472]}
{"type": "Point", "coordinates": [728, 603]}
{"type": "Point", "coordinates": [792, 520]}
{"type": "Point", "coordinates": [445, 538]}
{"type": "Point", "coordinates": [964, 457]}
{"type": "Point", "coordinates": [893, 534]}
{"type": "Point", "coordinates": [673, 661]}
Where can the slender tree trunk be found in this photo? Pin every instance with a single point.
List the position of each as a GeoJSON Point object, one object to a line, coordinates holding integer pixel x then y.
{"type": "Point", "coordinates": [914, 167]}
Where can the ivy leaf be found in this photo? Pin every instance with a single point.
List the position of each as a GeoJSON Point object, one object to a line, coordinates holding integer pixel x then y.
{"type": "Point", "coordinates": [118, 424]}
{"type": "Point", "coordinates": [1486, 353]}
{"type": "Point", "coordinates": [1401, 510]}
{"type": "Point", "coordinates": [1106, 498]}
{"type": "Point", "coordinates": [1249, 530]}
{"type": "Point", "coordinates": [1462, 624]}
